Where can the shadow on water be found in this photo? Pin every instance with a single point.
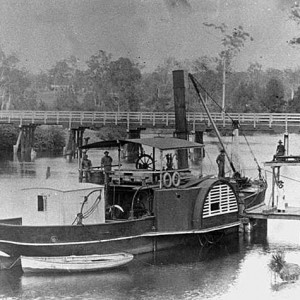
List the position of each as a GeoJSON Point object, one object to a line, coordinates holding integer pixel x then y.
{"type": "Point", "coordinates": [168, 271]}
{"type": "Point", "coordinates": [10, 282]}
{"type": "Point", "coordinates": [184, 254]}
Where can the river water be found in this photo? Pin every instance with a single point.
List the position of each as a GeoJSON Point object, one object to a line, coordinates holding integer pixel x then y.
{"type": "Point", "coordinates": [227, 271]}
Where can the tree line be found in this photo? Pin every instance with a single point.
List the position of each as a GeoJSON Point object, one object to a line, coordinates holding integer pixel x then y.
{"type": "Point", "coordinates": [106, 84]}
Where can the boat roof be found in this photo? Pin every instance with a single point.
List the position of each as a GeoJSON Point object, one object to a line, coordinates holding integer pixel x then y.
{"type": "Point", "coordinates": [63, 186]}
{"type": "Point", "coordinates": [162, 143]}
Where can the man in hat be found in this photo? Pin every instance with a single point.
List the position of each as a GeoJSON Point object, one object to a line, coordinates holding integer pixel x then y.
{"type": "Point", "coordinates": [86, 165]}
{"type": "Point", "coordinates": [106, 162]}
{"type": "Point", "coordinates": [221, 163]}
{"type": "Point", "coordinates": [280, 150]}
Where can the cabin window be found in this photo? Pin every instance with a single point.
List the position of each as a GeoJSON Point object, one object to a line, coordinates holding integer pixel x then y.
{"type": "Point", "coordinates": [220, 200]}
{"type": "Point", "coordinates": [41, 202]}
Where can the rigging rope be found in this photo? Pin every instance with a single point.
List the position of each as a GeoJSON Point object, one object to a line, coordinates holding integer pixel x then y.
{"type": "Point", "coordinates": [218, 105]}
{"type": "Point", "coordinates": [283, 176]}
{"type": "Point", "coordinates": [80, 216]}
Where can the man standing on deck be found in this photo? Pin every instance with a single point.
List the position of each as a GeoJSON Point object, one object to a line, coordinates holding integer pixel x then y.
{"type": "Point", "coordinates": [221, 163]}
{"type": "Point", "coordinates": [86, 167]}
{"type": "Point", "coordinates": [106, 162]}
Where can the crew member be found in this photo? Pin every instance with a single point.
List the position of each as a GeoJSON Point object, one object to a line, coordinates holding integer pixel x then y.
{"type": "Point", "coordinates": [106, 162]}
{"type": "Point", "coordinates": [280, 150]}
{"type": "Point", "coordinates": [86, 165]}
{"type": "Point", "coordinates": [221, 163]}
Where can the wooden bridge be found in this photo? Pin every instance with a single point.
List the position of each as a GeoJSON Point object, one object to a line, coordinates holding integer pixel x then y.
{"type": "Point", "coordinates": [196, 120]}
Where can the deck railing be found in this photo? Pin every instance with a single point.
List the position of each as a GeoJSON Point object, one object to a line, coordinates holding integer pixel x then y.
{"type": "Point", "coordinates": [146, 119]}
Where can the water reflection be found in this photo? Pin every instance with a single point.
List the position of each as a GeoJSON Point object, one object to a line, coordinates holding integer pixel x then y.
{"type": "Point", "coordinates": [10, 283]}
{"type": "Point", "coordinates": [174, 274]}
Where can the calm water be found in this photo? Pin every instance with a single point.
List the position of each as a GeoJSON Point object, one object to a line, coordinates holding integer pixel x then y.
{"type": "Point", "coordinates": [235, 271]}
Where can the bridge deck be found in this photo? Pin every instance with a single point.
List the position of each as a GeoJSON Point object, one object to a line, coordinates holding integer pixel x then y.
{"type": "Point", "coordinates": [73, 119]}
{"type": "Point", "coordinates": [268, 212]}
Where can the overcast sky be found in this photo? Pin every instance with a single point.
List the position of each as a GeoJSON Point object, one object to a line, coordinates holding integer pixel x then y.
{"type": "Point", "coordinates": [42, 32]}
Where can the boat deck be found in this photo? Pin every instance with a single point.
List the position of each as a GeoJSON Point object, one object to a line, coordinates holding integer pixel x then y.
{"type": "Point", "coordinates": [268, 212]}
{"type": "Point", "coordinates": [289, 160]}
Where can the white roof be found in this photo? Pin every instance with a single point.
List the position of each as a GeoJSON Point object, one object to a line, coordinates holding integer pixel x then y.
{"type": "Point", "coordinates": [65, 186]}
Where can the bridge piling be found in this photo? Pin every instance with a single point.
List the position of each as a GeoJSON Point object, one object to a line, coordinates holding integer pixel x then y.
{"type": "Point", "coordinates": [25, 140]}
{"type": "Point", "coordinates": [74, 141]}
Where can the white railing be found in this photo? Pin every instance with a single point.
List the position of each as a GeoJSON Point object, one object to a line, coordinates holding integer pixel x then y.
{"type": "Point", "coordinates": [157, 119]}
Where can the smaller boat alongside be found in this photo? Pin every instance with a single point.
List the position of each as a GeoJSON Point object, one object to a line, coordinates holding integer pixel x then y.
{"type": "Point", "coordinates": [74, 263]}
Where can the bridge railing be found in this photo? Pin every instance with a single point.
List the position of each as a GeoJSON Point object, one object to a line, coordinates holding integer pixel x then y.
{"type": "Point", "coordinates": [165, 119]}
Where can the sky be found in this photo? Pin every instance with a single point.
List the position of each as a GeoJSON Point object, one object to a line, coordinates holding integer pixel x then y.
{"type": "Point", "coordinates": [43, 32]}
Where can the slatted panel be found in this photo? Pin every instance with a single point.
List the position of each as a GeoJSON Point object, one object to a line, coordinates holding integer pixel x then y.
{"type": "Point", "coordinates": [220, 200]}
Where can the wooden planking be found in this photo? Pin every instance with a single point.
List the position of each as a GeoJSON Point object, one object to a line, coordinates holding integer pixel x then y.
{"type": "Point", "coordinates": [267, 212]}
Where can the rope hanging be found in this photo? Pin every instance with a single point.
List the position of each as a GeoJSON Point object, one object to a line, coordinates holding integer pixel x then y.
{"type": "Point", "coordinates": [218, 105]}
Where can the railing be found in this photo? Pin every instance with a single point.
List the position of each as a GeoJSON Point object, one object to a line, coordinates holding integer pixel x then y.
{"type": "Point", "coordinates": [146, 119]}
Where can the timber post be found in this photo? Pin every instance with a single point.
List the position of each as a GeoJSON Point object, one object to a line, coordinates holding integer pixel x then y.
{"type": "Point", "coordinates": [74, 141]}
{"type": "Point", "coordinates": [181, 131]}
{"type": "Point", "coordinates": [70, 147]}
{"type": "Point", "coordinates": [25, 140]}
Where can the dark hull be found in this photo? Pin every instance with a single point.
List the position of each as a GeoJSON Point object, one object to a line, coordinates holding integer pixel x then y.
{"type": "Point", "coordinates": [138, 239]}
{"type": "Point", "coordinates": [174, 216]}
{"type": "Point", "coordinates": [254, 199]}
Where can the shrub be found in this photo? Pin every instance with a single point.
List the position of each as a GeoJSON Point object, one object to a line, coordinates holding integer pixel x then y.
{"type": "Point", "coordinates": [50, 138]}
{"type": "Point", "coordinates": [8, 137]}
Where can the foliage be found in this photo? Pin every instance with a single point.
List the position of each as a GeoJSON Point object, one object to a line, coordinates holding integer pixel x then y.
{"type": "Point", "coordinates": [232, 42]}
{"type": "Point", "coordinates": [294, 104]}
{"type": "Point", "coordinates": [8, 137]}
{"type": "Point", "coordinates": [277, 261]}
{"type": "Point", "coordinates": [96, 75]}
{"type": "Point", "coordinates": [108, 84]}
{"type": "Point", "coordinates": [111, 133]}
{"type": "Point", "coordinates": [123, 77]}
{"type": "Point", "coordinates": [274, 96]}
{"type": "Point", "coordinates": [50, 138]}
{"type": "Point", "coordinates": [67, 100]}
{"type": "Point", "coordinates": [13, 82]}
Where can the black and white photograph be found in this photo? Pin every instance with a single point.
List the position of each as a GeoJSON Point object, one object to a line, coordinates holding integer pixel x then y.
{"type": "Point", "coordinates": [149, 149]}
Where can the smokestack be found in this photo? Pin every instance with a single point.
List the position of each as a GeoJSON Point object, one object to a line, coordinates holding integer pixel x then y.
{"type": "Point", "coordinates": [181, 131]}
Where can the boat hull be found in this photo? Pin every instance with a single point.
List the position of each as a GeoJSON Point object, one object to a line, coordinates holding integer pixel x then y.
{"type": "Point", "coordinates": [74, 263]}
{"type": "Point", "coordinates": [252, 199]}
{"type": "Point", "coordinates": [142, 242]}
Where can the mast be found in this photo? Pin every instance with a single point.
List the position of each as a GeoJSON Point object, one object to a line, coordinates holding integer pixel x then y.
{"type": "Point", "coordinates": [212, 122]}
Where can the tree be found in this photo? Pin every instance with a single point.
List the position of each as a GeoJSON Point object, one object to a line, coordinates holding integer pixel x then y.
{"type": "Point", "coordinates": [155, 95]}
{"type": "Point", "coordinates": [274, 96]}
{"type": "Point", "coordinates": [66, 81]}
{"type": "Point", "coordinates": [96, 75]}
{"type": "Point", "coordinates": [206, 72]}
{"type": "Point", "coordinates": [244, 98]}
{"type": "Point", "coordinates": [124, 77]}
{"type": "Point", "coordinates": [294, 104]}
{"type": "Point", "coordinates": [13, 82]}
{"type": "Point", "coordinates": [232, 44]}
{"type": "Point", "coordinates": [157, 87]}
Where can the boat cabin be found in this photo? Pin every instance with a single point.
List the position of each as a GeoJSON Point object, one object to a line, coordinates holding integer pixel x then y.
{"type": "Point", "coordinates": [62, 205]}
{"type": "Point", "coordinates": [179, 200]}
